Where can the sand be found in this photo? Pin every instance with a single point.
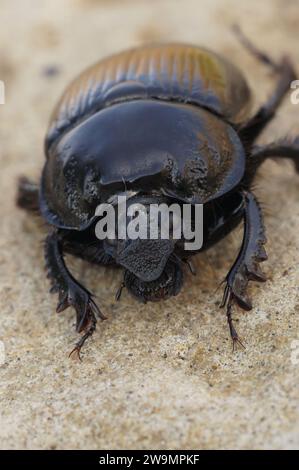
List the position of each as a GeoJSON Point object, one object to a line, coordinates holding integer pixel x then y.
{"type": "Point", "coordinates": [161, 375]}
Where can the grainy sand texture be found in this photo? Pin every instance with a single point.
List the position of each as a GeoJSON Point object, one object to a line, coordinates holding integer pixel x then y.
{"type": "Point", "coordinates": [160, 375]}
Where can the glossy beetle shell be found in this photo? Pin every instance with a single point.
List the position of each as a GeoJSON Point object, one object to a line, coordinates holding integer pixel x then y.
{"type": "Point", "coordinates": [175, 72]}
{"type": "Point", "coordinates": [155, 118]}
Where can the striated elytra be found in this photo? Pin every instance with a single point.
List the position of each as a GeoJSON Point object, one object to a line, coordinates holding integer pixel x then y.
{"type": "Point", "coordinates": [134, 115]}
{"type": "Point", "coordinates": [158, 124]}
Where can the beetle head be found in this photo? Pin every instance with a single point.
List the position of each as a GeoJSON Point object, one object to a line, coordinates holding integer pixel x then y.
{"type": "Point", "coordinates": [146, 251]}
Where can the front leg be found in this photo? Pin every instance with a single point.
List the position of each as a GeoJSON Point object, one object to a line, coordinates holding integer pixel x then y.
{"type": "Point", "coordinates": [70, 291]}
{"type": "Point", "coordinates": [246, 267]}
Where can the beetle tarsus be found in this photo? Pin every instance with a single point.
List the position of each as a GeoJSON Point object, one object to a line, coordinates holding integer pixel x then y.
{"type": "Point", "coordinates": [71, 292]}
{"type": "Point", "coordinates": [233, 332]}
{"type": "Point", "coordinates": [89, 332]}
{"type": "Point", "coordinates": [246, 266]}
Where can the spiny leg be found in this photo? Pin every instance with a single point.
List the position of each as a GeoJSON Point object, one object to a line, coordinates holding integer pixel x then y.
{"type": "Point", "coordinates": [285, 70]}
{"type": "Point", "coordinates": [87, 249]}
{"type": "Point", "coordinates": [27, 195]}
{"type": "Point", "coordinates": [88, 332]}
{"type": "Point", "coordinates": [233, 332]}
{"type": "Point", "coordinates": [92, 252]}
{"type": "Point", "coordinates": [246, 267]}
{"type": "Point", "coordinates": [70, 291]}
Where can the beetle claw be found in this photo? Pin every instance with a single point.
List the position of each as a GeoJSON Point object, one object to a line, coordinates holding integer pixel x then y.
{"type": "Point", "coordinates": [191, 267]}
{"type": "Point", "coordinates": [63, 305]}
{"type": "Point", "coordinates": [76, 350]}
{"type": "Point", "coordinates": [91, 326]}
{"type": "Point", "coordinates": [237, 341]}
{"type": "Point", "coordinates": [119, 291]}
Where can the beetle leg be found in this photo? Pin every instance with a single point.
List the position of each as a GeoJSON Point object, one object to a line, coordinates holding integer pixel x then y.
{"type": "Point", "coordinates": [70, 291]}
{"type": "Point", "coordinates": [27, 195]}
{"type": "Point", "coordinates": [88, 332]}
{"type": "Point", "coordinates": [284, 68]}
{"type": "Point", "coordinates": [92, 252]}
{"type": "Point", "coordinates": [246, 267]}
{"type": "Point", "coordinates": [283, 148]}
{"type": "Point", "coordinates": [255, 51]}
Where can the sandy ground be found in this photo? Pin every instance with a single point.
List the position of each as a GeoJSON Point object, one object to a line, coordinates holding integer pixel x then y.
{"type": "Point", "coordinates": [161, 375]}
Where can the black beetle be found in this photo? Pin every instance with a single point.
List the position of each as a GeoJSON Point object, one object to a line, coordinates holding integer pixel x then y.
{"type": "Point", "coordinates": [159, 123]}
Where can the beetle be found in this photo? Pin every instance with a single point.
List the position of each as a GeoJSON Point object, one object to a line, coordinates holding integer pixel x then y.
{"type": "Point", "coordinates": [158, 123]}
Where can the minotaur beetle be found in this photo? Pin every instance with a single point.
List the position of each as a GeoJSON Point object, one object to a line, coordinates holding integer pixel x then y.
{"type": "Point", "coordinates": [158, 123]}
